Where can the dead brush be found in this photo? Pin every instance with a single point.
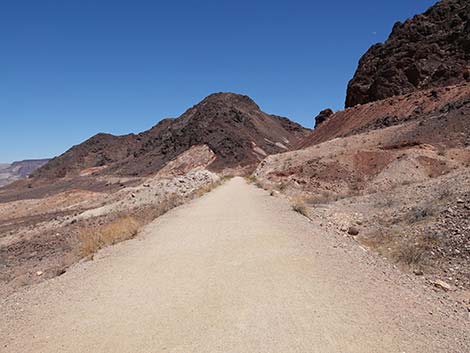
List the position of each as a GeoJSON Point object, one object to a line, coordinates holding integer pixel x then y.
{"type": "Point", "coordinates": [251, 179]}
{"type": "Point", "coordinates": [385, 201]}
{"type": "Point", "coordinates": [299, 206]}
{"type": "Point", "coordinates": [169, 203]}
{"type": "Point", "coordinates": [323, 197]}
{"type": "Point", "coordinates": [444, 193]}
{"type": "Point", "coordinates": [95, 238]}
{"type": "Point", "coordinates": [92, 239]}
{"type": "Point", "coordinates": [208, 188]}
{"type": "Point", "coordinates": [204, 190]}
{"type": "Point", "coordinates": [421, 213]}
{"type": "Point", "coordinates": [408, 251]}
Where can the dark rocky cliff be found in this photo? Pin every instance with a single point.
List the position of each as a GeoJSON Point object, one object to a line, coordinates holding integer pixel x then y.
{"type": "Point", "coordinates": [430, 50]}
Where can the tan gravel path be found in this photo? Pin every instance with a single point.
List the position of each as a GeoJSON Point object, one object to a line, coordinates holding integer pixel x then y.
{"type": "Point", "coordinates": [234, 271]}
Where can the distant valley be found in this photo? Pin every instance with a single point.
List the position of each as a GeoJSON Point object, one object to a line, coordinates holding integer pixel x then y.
{"type": "Point", "coordinates": [19, 170]}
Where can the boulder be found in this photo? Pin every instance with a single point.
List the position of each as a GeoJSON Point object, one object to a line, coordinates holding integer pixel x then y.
{"type": "Point", "coordinates": [323, 116]}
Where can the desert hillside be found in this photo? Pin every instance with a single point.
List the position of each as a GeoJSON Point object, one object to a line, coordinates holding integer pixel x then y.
{"type": "Point", "coordinates": [56, 213]}
{"type": "Point", "coordinates": [228, 229]}
{"type": "Point", "coordinates": [231, 125]}
{"type": "Point", "coordinates": [393, 169]}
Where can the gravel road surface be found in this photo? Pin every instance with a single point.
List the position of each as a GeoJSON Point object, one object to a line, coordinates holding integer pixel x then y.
{"type": "Point", "coordinates": [234, 271]}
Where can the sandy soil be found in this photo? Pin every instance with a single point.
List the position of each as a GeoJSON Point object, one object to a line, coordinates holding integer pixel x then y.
{"type": "Point", "coordinates": [43, 234]}
{"type": "Point", "coordinates": [234, 271]}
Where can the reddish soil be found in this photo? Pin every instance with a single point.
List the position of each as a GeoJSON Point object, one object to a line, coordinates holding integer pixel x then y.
{"type": "Point", "coordinates": [390, 112]}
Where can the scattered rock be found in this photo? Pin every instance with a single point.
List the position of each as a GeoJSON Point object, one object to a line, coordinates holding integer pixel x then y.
{"type": "Point", "coordinates": [353, 231]}
{"type": "Point", "coordinates": [39, 273]}
{"type": "Point", "coordinates": [60, 271]}
{"type": "Point", "coordinates": [441, 285]}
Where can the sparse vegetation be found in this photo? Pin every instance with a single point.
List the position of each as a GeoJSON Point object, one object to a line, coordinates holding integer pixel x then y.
{"type": "Point", "coordinates": [386, 201]}
{"type": "Point", "coordinates": [408, 250]}
{"type": "Point", "coordinates": [209, 187]}
{"type": "Point", "coordinates": [91, 239]}
{"type": "Point", "coordinates": [444, 193]}
{"type": "Point", "coordinates": [95, 238]}
{"type": "Point", "coordinates": [323, 197]}
{"type": "Point", "coordinates": [410, 254]}
{"type": "Point", "coordinates": [299, 206]}
{"type": "Point", "coordinates": [281, 186]}
{"type": "Point", "coordinates": [251, 179]}
{"type": "Point", "coordinates": [420, 213]}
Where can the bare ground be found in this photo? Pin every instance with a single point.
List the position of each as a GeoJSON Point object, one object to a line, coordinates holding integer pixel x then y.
{"type": "Point", "coordinates": [234, 271]}
{"type": "Point", "coordinates": [46, 235]}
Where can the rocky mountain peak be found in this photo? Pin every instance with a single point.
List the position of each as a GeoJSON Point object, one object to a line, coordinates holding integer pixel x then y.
{"type": "Point", "coordinates": [430, 50]}
{"type": "Point", "coordinates": [227, 100]}
{"type": "Point", "coordinates": [231, 125]}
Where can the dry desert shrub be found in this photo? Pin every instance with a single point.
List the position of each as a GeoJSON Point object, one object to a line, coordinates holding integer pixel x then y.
{"type": "Point", "coordinates": [323, 197]}
{"type": "Point", "coordinates": [409, 253]}
{"type": "Point", "coordinates": [94, 238]}
{"type": "Point", "coordinates": [91, 239]}
{"type": "Point", "coordinates": [444, 193]}
{"type": "Point", "coordinates": [299, 206]}
{"type": "Point", "coordinates": [385, 200]}
{"type": "Point", "coordinates": [208, 188]}
{"type": "Point", "coordinates": [421, 213]}
{"type": "Point", "coordinates": [204, 190]}
{"type": "Point", "coordinates": [282, 186]}
{"type": "Point", "coordinates": [251, 179]}
{"type": "Point", "coordinates": [408, 250]}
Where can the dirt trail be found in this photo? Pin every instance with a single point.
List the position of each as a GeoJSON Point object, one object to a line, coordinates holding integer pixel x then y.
{"type": "Point", "coordinates": [234, 271]}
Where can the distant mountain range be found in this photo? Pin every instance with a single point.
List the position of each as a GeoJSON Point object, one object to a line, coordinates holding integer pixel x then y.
{"type": "Point", "coordinates": [19, 170]}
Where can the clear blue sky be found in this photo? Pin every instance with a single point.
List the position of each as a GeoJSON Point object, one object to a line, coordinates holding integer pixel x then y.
{"type": "Point", "coordinates": [70, 69]}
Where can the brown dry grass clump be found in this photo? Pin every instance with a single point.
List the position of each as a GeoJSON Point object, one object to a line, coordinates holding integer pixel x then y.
{"type": "Point", "coordinates": [95, 238]}
{"type": "Point", "coordinates": [408, 250]}
{"type": "Point", "coordinates": [91, 239]}
{"type": "Point", "coordinates": [205, 189]}
{"type": "Point", "coordinates": [299, 206]}
{"type": "Point", "coordinates": [250, 179]}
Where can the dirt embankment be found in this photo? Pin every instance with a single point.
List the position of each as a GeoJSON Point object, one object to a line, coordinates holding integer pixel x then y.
{"type": "Point", "coordinates": [41, 237]}
{"type": "Point", "coordinates": [407, 184]}
{"type": "Point", "coordinates": [416, 106]}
